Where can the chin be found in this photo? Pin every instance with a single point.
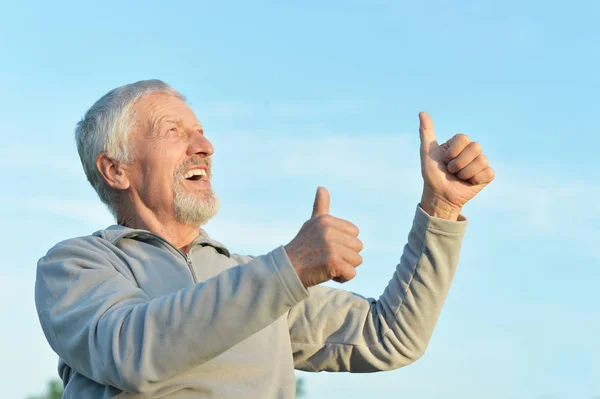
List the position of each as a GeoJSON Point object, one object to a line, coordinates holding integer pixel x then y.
{"type": "Point", "coordinates": [194, 209]}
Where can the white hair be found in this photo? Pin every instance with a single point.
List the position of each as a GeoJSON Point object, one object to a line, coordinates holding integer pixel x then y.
{"type": "Point", "coordinates": [107, 127]}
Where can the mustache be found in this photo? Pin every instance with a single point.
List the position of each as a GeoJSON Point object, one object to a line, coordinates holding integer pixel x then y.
{"type": "Point", "coordinates": [207, 161]}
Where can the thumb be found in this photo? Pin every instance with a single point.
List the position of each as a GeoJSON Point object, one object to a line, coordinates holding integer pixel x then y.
{"type": "Point", "coordinates": [321, 206]}
{"type": "Point", "coordinates": [427, 132]}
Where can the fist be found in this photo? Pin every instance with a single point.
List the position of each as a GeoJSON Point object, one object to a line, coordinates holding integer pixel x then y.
{"type": "Point", "coordinates": [325, 248]}
{"type": "Point", "coordinates": [453, 172]}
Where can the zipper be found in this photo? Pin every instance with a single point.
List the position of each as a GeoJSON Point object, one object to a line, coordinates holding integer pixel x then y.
{"type": "Point", "coordinates": [185, 257]}
{"type": "Point", "coordinates": [189, 263]}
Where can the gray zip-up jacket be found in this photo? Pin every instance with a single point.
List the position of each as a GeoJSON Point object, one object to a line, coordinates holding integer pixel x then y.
{"type": "Point", "coordinates": [130, 316]}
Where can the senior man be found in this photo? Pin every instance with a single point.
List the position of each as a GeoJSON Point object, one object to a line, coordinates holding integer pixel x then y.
{"type": "Point", "coordinates": [152, 307]}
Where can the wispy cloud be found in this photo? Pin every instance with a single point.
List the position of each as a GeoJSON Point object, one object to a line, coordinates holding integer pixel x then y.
{"type": "Point", "coordinates": [281, 110]}
{"type": "Point", "coordinates": [64, 163]}
{"type": "Point", "coordinates": [91, 212]}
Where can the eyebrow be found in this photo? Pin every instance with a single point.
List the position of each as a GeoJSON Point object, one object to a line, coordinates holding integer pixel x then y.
{"type": "Point", "coordinates": [163, 121]}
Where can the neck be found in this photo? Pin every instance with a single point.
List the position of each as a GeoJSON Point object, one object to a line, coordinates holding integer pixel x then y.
{"type": "Point", "coordinates": [179, 234]}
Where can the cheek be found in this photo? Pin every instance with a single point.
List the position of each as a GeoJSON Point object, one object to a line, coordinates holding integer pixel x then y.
{"type": "Point", "coordinates": [159, 181]}
{"type": "Point", "coordinates": [154, 181]}
{"type": "Point", "coordinates": [160, 163]}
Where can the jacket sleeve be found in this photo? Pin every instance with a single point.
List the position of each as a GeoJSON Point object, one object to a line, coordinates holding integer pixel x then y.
{"type": "Point", "coordinates": [336, 330]}
{"type": "Point", "coordinates": [107, 329]}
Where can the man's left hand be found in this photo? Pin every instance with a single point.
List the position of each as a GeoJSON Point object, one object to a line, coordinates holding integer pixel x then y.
{"type": "Point", "coordinates": [453, 172]}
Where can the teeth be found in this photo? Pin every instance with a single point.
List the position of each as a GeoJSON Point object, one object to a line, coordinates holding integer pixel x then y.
{"type": "Point", "coordinates": [194, 172]}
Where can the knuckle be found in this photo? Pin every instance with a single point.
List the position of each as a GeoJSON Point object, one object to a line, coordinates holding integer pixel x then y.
{"type": "Point", "coordinates": [483, 160]}
{"type": "Point", "coordinates": [475, 146]}
{"type": "Point", "coordinates": [455, 166]}
{"type": "Point", "coordinates": [462, 138]}
{"type": "Point", "coordinates": [322, 220]}
{"type": "Point", "coordinates": [359, 260]}
{"type": "Point", "coordinates": [359, 245]}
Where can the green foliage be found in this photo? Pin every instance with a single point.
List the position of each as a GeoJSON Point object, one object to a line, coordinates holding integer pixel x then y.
{"type": "Point", "coordinates": [300, 388]}
{"type": "Point", "coordinates": [54, 391]}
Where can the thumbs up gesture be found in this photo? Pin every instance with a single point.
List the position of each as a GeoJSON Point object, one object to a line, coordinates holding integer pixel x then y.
{"type": "Point", "coordinates": [326, 247]}
{"type": "Point", "coordinates": [453, 172]}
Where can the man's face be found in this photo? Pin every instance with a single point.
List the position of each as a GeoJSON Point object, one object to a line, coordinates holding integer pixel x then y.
{"type": "Point", "coordinates": [172, 166]}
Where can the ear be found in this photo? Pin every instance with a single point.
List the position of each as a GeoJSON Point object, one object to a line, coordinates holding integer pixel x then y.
{"type": "Point", "coordinates": [113, 172]}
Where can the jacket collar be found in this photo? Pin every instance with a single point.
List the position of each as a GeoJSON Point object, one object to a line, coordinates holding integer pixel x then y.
{"type": "Point", "coordinates": [115, 233]}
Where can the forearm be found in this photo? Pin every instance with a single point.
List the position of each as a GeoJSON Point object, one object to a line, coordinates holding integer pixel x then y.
{"type": "Point", "coordinates": [413, 300]}
{"type": "Point", "coordinates": [365, 335]}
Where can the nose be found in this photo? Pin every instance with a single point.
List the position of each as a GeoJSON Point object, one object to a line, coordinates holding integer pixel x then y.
{"type": "Point", "coordinates": [200, 145]}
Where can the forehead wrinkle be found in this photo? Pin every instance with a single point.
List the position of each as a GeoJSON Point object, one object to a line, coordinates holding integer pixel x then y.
{"type": "Point", "coordinates": [158, 113]}
{"type": "Point", "coordinates": [157, 124]}
{"type": "Point", "coordinates": [167, 119]}
{"type": "Point", "coordinates": [154, 127]}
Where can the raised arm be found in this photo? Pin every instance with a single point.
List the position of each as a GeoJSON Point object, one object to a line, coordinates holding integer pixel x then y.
{"type": "Point", "coordinates": [336, 330]}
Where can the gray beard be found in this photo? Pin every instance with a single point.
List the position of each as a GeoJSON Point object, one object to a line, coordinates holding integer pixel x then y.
{"type": "Point", "coordinates": [192, 210]}
{"type": "Point", "coordinates": [187, 207]}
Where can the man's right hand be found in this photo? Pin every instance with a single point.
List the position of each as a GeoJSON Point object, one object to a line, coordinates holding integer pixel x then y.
{"type": "Point", "coordinates": [325, 248]}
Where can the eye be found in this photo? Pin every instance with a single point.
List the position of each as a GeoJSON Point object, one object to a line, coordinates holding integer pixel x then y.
{"type": "Point", "coordinates": [173, 131]}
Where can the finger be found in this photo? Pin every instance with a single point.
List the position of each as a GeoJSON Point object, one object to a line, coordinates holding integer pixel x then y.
{"type": "Point", "coordinates": [350, 256]}
{"type": "Point", "coordinates": [349, 242]}
{"type": "Point", "coordinates": [343, 268]}
{"type": "Point", "coordinates": [321, 205]}
{"type": "Point", "coordinates": [338, 224]}
{"type": "Point", "coordinates": [483, 177]}
{"type": "Point", "coordinates": [455, 146]}
{"type": "Point", "coordinates": [426, 132]}
{"type": "Point", "coordinates": [346, 275]}
{"type": "Point", "coordinates": [465, 157]}
{"type": "Point", "coordinates": [478, 165]}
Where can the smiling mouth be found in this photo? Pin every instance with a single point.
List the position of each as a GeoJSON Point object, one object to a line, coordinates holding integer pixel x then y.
{"type": "Point", "coordinates": [196, 175]}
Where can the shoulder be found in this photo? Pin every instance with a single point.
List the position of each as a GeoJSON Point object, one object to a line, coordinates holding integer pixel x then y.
{"type": "Point", "coordinates": [77, 245]}
{"type": "Point", "coordinates": [82, 252]}
{"type": "Point", "coordinates": [240, 259]}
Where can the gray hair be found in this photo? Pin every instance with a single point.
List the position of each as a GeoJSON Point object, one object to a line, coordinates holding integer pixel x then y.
{"type": "Point", "coordinates": [107, 126]}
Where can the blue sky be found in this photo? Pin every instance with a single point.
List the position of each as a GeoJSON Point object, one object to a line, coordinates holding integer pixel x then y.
{"type": "Point", "coordinates": [299, 94]}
